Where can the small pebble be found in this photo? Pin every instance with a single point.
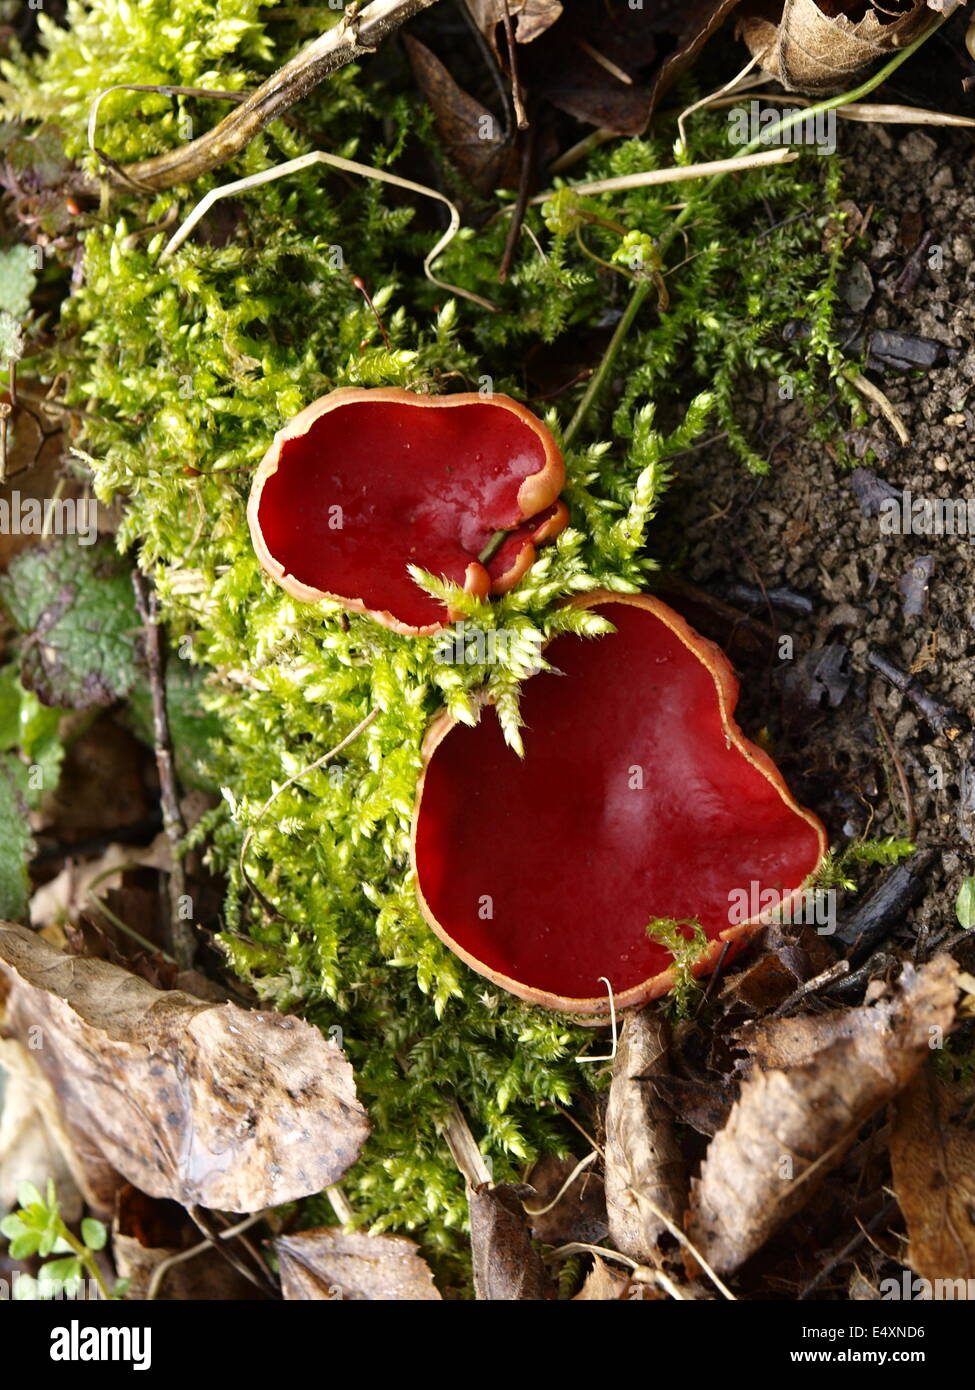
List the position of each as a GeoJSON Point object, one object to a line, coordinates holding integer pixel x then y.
{"type": "Point", "coordinates": [918, 148]}
{"type": "Point", "coordinates": [962, 249]}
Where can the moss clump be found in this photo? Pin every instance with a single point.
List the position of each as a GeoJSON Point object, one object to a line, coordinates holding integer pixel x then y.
{"type": "Point", "coordinates": [191, 364]}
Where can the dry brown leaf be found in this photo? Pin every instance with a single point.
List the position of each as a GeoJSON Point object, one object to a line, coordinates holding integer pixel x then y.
{"type": "Point", "coordinates": [33, 1145]}
{"type": "Point", "coordinates": [146, 1232]}
{"type": "Point", "coordinates": [507, 1267]}
{"type": "Point", "coordinates": [816, 47]}
{"type": "Point", "coordinates": [531, 17]}
{"type": "Point", "coordinates": [590, 64]}
{"type": "Point", "coordinates": [932, 1153]}
{"type": "Point", "coordinates": [704, 1105]}
{"type": "Point", "coordinates": [330, 1263]}
{"type": "Point", "coordinates": [794, 1121]}
{"type": "Point", "coordinates": [643, 1159]}
{"type": "Point", "coordinates": [65, 897]}
{"type": "Point", "coordinates": [579, 1214]}
{"type": "Point", "coordinates": [204, 1103]}
{"type": "Point", "coordinates": [702, 20]}
{"type": "Point", "coordinates": [605, 1283]}
{"type": "Point", "coordinates": [471, 135]}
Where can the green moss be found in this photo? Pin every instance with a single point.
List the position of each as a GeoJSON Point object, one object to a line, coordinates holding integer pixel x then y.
{"type": "Point", "coordinates": [188, 366]}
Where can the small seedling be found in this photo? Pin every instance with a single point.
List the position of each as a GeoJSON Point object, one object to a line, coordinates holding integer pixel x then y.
{"type": "Point", "coordinates": [38, 1228]}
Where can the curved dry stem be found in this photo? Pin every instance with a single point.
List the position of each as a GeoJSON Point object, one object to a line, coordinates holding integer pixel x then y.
{"type": "Point", "coordinates": [543, 1211]}
{"type": "Point", "coordinates": [365, 171]}
{"type": "Point", "coordinates": [712, 97]}
{"type": "Point", "coordinates": [354, 37]}
{"type": "Point", "coordinates": [159, 89]}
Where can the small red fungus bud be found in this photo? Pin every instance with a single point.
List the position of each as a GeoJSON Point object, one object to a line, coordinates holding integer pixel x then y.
{"type": "Point", "coordinates": [73, 206]}
{"type": "Point", "coordinates": [363, 483]}
{"type": "Point", "coordinates": [638, 798]}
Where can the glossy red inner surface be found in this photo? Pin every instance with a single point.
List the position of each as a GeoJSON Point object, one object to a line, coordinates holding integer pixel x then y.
{"type": "Point", "coordinates": [630, 803]}
{"type": "Point", "coordinates": [421, 484]}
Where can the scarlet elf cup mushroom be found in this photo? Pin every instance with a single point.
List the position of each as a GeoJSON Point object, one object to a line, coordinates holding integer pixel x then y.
{"type": "Point", "coordinates": [362, 483]}
{"type": "Point", "coordinates": [638, 797]}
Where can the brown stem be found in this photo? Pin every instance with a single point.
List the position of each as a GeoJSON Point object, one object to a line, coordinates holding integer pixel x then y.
{"type": "Point", "coordinates": [518, 216]}
{"type": "Point", "coordinates": [357, 35]}
{"type": "Point", "coordinates": [182, 938]}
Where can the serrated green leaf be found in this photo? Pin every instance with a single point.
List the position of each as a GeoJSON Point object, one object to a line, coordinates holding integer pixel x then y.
{"type": "Point", "coordinates": [11, 338]}
{"type": "Point", "coordinates": [17, 280]}
{"type": "Point", "coordinates": [16, 841]}
{"type": "Point", "coordinates": [76, 606]}
{"type": "Point", "coordinates": [10, 699]}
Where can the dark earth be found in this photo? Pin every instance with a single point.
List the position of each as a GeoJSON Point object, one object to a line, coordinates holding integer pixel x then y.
{"type": "Point", "coordinates": [853, 747]}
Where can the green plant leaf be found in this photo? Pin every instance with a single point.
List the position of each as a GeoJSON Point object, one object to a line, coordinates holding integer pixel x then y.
{"type": "Point", "coordinates": [93, 1233]}
{"type": "Point", "coordinates": [22, 1247]}
{"type": "Point", "coordinates": [11, 339]}
{"type": "Point", "coordinates": [17, 280]}
{"type": "Point", "coordinates": [965, 904]}
{"type": "Point", "coordinates": [16, 842]}
{"type": "Point", "coordinates": [28, 1195]}
{"type": "Point", "coordinates": [12, 1226]}
{"type": "Point", "coordinates": [68, 1268]}
{"type": "Point", "coordinates": [76, 607]}
{"type": "Point", "coordinates": [48, 1240]}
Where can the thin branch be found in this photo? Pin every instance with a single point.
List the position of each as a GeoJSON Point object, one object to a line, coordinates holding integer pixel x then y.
{"type": "Point", "coordinates": [161, 90]}
{"type": "Point", "coordinates": [182, 936]}
{"type": "Point", "coordinates": [882, 402]}
{"type": "Point", "coordinates": [356, 35]}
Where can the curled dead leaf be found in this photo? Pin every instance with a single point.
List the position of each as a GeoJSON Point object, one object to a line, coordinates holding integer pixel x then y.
{"type": "Point", "coordinates": [531, 17]}
{"type": "Point", "coordinates": [932, 1153]}
{"type": "Point", "coordinates": [605, 1283]}
{"type": "Point", "coordinates": [33, 1144]}
{"type": "Point", "coordinates": [818, 47]}
{"type": "Point", "coordinates": [507, 1267]}
{"type": "Point", "coordinates": [815, 1081]}
{"type": "Point", "coordinates": [643, 1159]}
{"type": "Point", "coordinates": [470, 133]}
{"type": "Point", "coordinates": [330, 1263]}
{"type": "Point", "coordinates": [208, 1104]}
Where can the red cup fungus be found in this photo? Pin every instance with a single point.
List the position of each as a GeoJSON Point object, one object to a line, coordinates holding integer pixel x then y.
{"type": "Point", "coordinates": [638, 797]}
{"type": "Point", "coordinates": [362, 483]}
